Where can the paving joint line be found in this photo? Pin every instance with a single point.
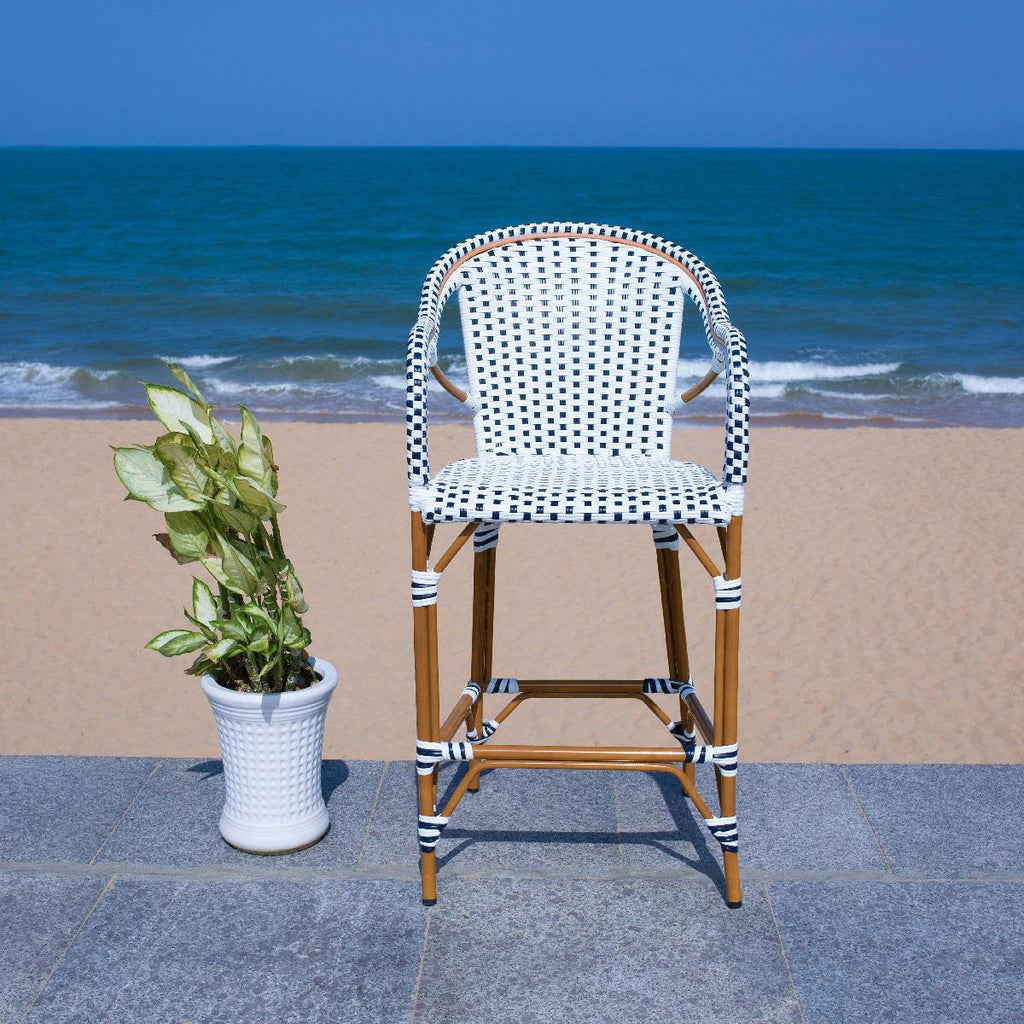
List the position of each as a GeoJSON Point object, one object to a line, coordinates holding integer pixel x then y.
{"type": "Point", "coordinates": [782, 947]}
{"type": "Point", "coordinates": [373, 811]}
{"type": "Point", "coordinates": [864, 814]}
{"type": "Point", "coordinates": [419, 969]}
{"type": "Point", "coordinates": [401, 873]}
{"type": "Point", "coordinates": [128, 807]}
{"type": "Point", "coordinates": [67, 949]}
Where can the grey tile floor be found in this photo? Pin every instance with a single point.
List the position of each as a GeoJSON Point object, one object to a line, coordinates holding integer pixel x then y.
{"type": "Point", "coordinates": [871, 893]}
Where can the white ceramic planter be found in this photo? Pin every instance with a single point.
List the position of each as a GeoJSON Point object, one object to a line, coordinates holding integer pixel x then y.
{"type": "Point", "coordinates": [272, 744]}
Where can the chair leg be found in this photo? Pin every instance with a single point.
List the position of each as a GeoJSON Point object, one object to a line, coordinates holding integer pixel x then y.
{"type": "Point", "coordinates": [483, 633]}
{"type": "Point", "coordinates": [675, 629]}
{"type": "Point", "coordinates": [726, 697]}
{"type": "Point", "coordinates": [428, 725]}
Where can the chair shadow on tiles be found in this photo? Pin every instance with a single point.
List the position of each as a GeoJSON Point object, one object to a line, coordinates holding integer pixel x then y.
{"type": "Point", "coordinates": [647, 852]}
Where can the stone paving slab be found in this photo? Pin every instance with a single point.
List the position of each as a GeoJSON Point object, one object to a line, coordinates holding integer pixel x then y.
{"type": "Point", "coordinates": [63, 808]}
{"type": "Point", "coordinates": [631, 951]}
{"type": "Point", "coordinates": [906, 952]}
{"type": "Point", "coordinates": [225, 952]}
{"type": "Point", "coordinates": [520, 821]}
{"type": "Point", "coordinates": [792, 817]}
{"type": "Point", "coordinates": [571, 896]}
{"type": "Point", "coordinates": [953, 821]}
{"type": "Point", "coordinates": [40, 914]}
{"type": "Point", "coordinates": [174, 820]}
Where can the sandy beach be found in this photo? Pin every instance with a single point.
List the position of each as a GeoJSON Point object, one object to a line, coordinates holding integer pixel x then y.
{"type": "Point", "coordinates": [881, 616]}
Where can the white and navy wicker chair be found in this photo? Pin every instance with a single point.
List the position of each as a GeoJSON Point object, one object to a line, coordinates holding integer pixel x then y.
{"type": "Point", "coordinates": [572, 335]}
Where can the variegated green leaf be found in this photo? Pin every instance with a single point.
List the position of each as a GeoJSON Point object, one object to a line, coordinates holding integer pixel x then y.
{"type": "Point", "coordinates": [250, 455]}
{"type": "Point", "coordinates": [240, 574]}
{"type": "Point", "coordinates": [255, 498]}
{"type": "Point", "coordinates": [270, 477]}
{"type": "Point", "coordinates": [173, 408]}
{"type": "Point", "coordinates": [204, 628]}
{"type": "Point", "coordinates": [294, 591]}
{"type": "Point", "coordinates": [221, 437]}
{"type": "Point", "coordinates": [256, 614]}
{"type": "Point", "coordinates": [289, 628]}
{"type": "Point", "coordinates": [234, 518]}
{"type": "Point", "coordinates": [187, 534]}
{"type": "Point", "coordinates": [204, 604]}
{"type": "Point", "coordinates": [148, 479]}
{"type": "Point", "coordinates": [231, 628]}
{"type": "Point", "coordinates": [176, 641]}
{"type": "Point", "coordinates": [184, 468]}
{"type": "Point", "coordinates": [224, 649]}
{"type": "Point", "coordinates": [179, 374]}
{"type": "Point", "coordinates": [260, 644]}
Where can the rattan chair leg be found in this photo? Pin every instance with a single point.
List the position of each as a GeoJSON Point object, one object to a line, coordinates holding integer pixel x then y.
{"type": "Point", "coordinates": [675, 631]}
{"type": "Point", "coordinates": [479, 643]}
{"type": "Point", "coordinates": [728, 716]}
{"type": "Point", "coordinates": [490, 557]}
{"type": "Point", "coordinates": [427, 724]}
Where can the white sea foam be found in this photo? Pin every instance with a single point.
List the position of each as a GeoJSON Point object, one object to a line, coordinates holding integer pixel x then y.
{"type": "Point", "coordinates": [851, 396]}
{"type": "Point", "coordinates": [30, 385]}
{"type": "Point", "coordinates": [197, 362]}
{"type": "Point", "coordinates": [396, 382]}
{"type": "Point", "coordinates": [976, 385]}
{"type": "Point", "coordinates": [793, 372]}
{"type": "Point", "coordinates": [801, 371]}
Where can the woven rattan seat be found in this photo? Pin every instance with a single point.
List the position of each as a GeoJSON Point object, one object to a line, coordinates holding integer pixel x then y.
{"type": "Point", "coordinates": [633, 488]}
{"type": "Point", "coordinates": [572, 339]}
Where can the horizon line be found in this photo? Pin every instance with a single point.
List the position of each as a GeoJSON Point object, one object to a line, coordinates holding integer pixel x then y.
{"type": "Point", "coordinates": [498, 147]}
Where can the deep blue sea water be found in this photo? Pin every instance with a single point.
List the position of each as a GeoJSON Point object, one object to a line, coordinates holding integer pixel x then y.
{"type": "Point", "coordinates": [883, 286]}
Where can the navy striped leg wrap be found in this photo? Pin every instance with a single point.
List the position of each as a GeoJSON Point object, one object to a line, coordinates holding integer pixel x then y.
{"type": "Point", "coordinates": [661, 685]}
{"type": "Point", "coordinates": [487, 729]}
{"type": "Point", "coordinates": [429, 754]}
{"type": "Point", "coordinates": [430, 828]}
{"type": "Point", "coordinates": [725, 758]}
{"type": "Point", "coordinates": [424, 587]}
{"type": "Point", "coordinates": [727, 592]}
{"type": "Point", "coordinates": [471, 689]}
{"type": "Point", "coordinates": [725, 831]}
{"type": "Point", "coordinates": [503, 686]}
{"type": "Point", "coordinates": [485, 537]}
{"type": "Point", "coordinates": [665, 536]}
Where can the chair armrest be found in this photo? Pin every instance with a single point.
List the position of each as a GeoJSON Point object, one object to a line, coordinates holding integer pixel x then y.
{"type": "Point", "coordinates": [731, 350]}
{"type": "Point", "coordinates": [421, 353]}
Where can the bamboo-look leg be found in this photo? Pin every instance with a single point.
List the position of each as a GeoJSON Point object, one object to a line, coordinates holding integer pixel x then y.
{"type": "Point", "coordinates": [727, 637]}
{"type": "Point", "coordinates": [483, 635]}
{"type": "Point", "coordinates": [675, 631]}
{"type": "Point", "coordinates": [428, 726]}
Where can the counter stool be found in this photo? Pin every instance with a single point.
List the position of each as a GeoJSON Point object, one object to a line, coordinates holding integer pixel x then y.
{"type": "Point", "coordinates": [572, 336]}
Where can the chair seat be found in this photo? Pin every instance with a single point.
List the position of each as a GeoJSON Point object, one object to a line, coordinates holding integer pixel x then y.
{"type": "Point", "coordinates": [631, 488]}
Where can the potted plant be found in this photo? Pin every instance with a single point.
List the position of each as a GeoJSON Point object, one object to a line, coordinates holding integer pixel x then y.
{"type": "Point", "coordinates": [269, 697]}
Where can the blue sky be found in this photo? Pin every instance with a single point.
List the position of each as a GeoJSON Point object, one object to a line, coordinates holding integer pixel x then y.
{"type": "Point", "coordinates": [942, 74]}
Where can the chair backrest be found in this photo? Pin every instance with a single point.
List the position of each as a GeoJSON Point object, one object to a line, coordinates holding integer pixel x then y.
{"type": "Point", "coordinates": [572, 336]}
{"type": "Point", "coordinates": [572, 344]}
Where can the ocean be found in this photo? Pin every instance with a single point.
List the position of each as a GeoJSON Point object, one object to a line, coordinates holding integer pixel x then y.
{"type": "Point", "coordinates": [872, 286]}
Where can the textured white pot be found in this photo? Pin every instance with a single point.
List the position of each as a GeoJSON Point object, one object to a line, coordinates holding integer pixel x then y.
{"type": "Point", "coordinates": [272, 744]}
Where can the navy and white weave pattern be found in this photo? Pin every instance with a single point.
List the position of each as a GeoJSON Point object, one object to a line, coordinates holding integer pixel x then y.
{"type": "Point", "coordinates": [572, 338]}
{"type": "Point", "coordinates": [626, 488]}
